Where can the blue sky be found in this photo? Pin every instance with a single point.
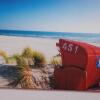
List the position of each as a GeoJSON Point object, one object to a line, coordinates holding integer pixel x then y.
{"type": "Point", "coordinates": [51, 15]}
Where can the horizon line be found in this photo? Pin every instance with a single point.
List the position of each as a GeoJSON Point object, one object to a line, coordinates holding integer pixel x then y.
{"type": "Point", "coordinates": [50, 31]}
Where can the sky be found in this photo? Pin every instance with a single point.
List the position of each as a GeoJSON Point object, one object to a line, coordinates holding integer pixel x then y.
{"type": "Point", "coordinates": [51, 15]}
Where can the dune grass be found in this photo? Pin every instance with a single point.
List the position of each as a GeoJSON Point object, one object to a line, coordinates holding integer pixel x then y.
{"type": "Point", "coordinates": [4, 55]}
{"type": "Point", "coordinates": [56, 61]}
{"type": "Point", "coordinates": [24, 72]}
{"type": "Point", "coordinates": [39, 59]}
{"type": "Point", "coordinates": [23, 62]}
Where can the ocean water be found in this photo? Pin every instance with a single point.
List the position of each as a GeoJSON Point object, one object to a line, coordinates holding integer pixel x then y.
{"type": "Point", "coordinates": [88, 37]}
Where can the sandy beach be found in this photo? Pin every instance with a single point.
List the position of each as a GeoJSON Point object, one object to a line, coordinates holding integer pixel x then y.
{"type": "Point", "coordinates": [12, 44]}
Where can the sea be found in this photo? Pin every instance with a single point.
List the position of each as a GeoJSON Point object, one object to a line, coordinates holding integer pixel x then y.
{"type": "Point", "coordinates": [87, 37]}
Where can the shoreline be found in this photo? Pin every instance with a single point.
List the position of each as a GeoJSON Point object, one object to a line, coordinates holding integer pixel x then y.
{"type": "Point", "coordinates": [14, 44]}
{"type": "Point", "coordinates": [45, 37]}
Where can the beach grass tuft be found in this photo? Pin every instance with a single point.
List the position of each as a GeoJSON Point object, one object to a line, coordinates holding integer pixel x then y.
{"type": "Point", "coordinates": [24, 72]}
{"type": "Point", "coordinates": [4, 55]}
{"type": "Point", "coordinates": [39, 59]}
{"type": "Point", "coordinates": [25, 76]}
{"type": "Point", "coordinates": [56, 61]}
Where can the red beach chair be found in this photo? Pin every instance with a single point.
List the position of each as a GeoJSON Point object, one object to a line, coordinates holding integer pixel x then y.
{"type": "Point", "coordinates": [81, 65]}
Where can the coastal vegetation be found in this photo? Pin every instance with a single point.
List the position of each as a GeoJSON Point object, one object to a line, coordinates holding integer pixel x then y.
{"type": "Point", "coordinates": [33, 57]}
{"type": "Point", "coordinates": [56, 61]}
{"type": "Point", "coordinates": [4, 55]}
{"type": "Point", "coordinates": [25, 61]}
{"type": "Point", "coordinates": [28, 63]}
{"type": "Point", "coordinates": [39, 59]}
{"type": "Point", "coordinates": [24, 72]}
